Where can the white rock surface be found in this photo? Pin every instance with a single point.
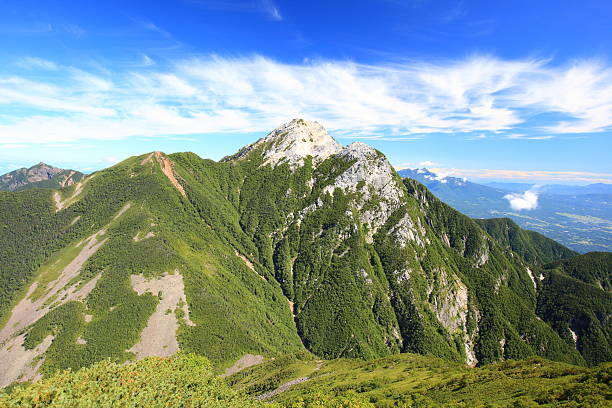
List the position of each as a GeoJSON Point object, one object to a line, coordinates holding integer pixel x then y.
{"type": "Point", "coordinates": [451, 306]}
{"type": "Point", "coordinates": [574, 336]}
{"type": "Point", "coordinates": [530, 273]}
{"type": "Point", "coordinates": [292, 142]}
{"type": "Point", "coordinates": [375, 173]}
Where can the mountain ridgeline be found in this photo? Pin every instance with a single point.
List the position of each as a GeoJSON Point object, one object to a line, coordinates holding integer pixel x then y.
{"type": "Point", "coordinates": [294, 243]}
{"type": "Point", "coordinates": [39, 176]}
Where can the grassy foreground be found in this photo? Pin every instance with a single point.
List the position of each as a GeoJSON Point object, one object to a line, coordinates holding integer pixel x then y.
{"type": "Point", "coordinates": [187, 380]}
{"type": "Point", "coordinates": [410, 380]}
{"type": "Point", "coordinates": [405, 380]}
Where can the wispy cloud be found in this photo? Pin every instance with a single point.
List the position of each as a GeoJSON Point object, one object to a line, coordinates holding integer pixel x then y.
{"type": "Point", "coordinates": [266, 7]}
{"type": "Point", "coordinates": [272, 10]}
{"type": "Point", "coordinates": [526, 137]}
{"type": "Point", "coordinates": [474, 97]}
{"type": "Point", "coordinates": [427, 163]}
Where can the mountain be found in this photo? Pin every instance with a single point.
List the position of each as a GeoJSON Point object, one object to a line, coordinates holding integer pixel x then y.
{"type": "Point", "coordinates": [581, 221]}
{"type": "Point", "coordinates": [573, 292]}
{"type": "Point", "coordinates": [293, 244]}
{"type": "Point", "coordinates": [579, 312]}
{"type": "Point", "coordinates": [39, 176]}
{"type": "Point", "coordinates": [534, 247]}
{"type": "Point", "coordinates": [509, 186]}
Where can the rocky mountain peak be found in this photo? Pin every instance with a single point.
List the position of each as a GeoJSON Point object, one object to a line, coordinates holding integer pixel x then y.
{"type": "Point", "coordinates": [292, 142]}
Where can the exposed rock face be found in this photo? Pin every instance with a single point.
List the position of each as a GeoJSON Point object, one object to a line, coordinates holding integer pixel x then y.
{"type": "Point", "coordinates": [451, 305]}
{"type": "Point", "coordinates": [292, 142]}
{"type": "Point", "coordinates": [372, 176]}
{"type": "Point", "coordinates": [159, 337]}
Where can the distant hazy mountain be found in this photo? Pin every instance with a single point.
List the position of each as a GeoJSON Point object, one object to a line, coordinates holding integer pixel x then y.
{"type": "Point", "coordinates": [39, 176]}
{"type": "Point", "coordinates": [579, 217]}
{"type": "Point", "coordinates": [562, 189]}
{"type": "Point", "coordinates": [513, 187]}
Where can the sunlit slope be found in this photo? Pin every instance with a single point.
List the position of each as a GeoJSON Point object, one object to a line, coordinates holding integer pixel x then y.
{"type": "Point", "coordinates": [410, 380]}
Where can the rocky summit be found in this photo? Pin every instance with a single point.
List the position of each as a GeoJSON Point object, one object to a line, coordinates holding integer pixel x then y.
{"type": "Point", "coordinates": [295, 244]}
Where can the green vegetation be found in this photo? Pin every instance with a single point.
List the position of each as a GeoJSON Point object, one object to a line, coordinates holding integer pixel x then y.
{"type": "Point", "coordinates": [406, 380]}
{"type": "Point", "coordinates": [533, 246]}
{"type": "Point", "coordinates": [184, 381]}
{"type": "Point", "coordinates": [594, 268]}
{"type": "Point", "coordinates": [577, 309]}
{"type": "Point", "coordinates": [30, 232]}
{"type": "Point", "coordinates": [409, 380]}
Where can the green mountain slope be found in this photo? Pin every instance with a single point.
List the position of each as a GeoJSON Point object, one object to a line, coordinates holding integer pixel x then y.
{"type": "Point", "coordinates": [579, 312]}
{"type": "Point", "coordinates": [574, 298]}
{"type": "Point", "coordinates": [295, 243]}
{"type": "Point", "coordinates": [573, 294]}
{"type": "Point", "coordinates": [594, 268]}
{"type": "Point", "coordinates": [39, 176]}
{"type": "Point", "coordinates": [533, 246]}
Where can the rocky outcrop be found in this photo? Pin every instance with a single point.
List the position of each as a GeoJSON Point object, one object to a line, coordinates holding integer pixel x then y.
{"type": "Point", "coordinates": [292, 142]}
{"type": "Point", "coordinates": [371, 176]}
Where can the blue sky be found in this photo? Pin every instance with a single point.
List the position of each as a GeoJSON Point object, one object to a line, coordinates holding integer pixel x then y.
{"type": "Point", "coordinates": [488, 90]}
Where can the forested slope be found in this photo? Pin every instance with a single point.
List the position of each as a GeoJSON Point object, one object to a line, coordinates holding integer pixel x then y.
{"type": "Point", "coordinates": [533, 246]}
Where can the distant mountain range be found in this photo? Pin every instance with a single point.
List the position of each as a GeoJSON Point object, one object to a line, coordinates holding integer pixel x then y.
{"type": "Point", "coordinates": [39, 176]}
{"type": "Point", "coordinates": [579, 217]}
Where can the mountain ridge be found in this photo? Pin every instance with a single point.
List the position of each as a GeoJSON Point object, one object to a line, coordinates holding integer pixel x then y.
{"type": "Point", "coordinates": [40, 175]}
{"type": "Point", "coordinates": [336, 255]}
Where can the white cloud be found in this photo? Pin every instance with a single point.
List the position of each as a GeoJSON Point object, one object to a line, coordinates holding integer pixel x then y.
{"type": "Point", "coordinates": [528, 175]}
{"type": "Point", "coordinates": [386, 102]}
{"type": "Point", "coordinates": [427, 163]}
{"type": "Point", "coordinates": [13, 146]}
{"type": "Point", "coordinates": [525, 137]}
{"type": "Point", "coordinates": [526, 201]}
